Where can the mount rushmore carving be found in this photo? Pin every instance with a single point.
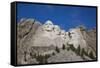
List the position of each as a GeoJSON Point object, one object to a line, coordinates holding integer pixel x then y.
{"type": "Point", "coordinates": [48, 43]}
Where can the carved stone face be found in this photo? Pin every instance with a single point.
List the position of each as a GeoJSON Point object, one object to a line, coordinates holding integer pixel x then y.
{"type": "Point", "coordinates": [77, 38]}
{"type": "Point", "coordinates": [67, 36]}
{"type": "Point", "coordinates": [56, 29]}
{"type": "Point", "coordinates": [48, 26]}
{"type": "Point", "coordinates": [62, 34]}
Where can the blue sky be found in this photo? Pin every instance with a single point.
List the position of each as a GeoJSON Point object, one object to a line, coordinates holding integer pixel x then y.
{"type": "Point", "coordinates": [65, 16]}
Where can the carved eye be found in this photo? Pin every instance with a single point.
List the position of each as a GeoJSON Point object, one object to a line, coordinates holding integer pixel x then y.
{"type": "Point", "coordinates": [62, 33]}
{"type": "Point", "coordinates": [72, 33]}
{"type": "Point", "coordinates": [47, 26]}
{"type": "Point", "coordinates": [50, 24]}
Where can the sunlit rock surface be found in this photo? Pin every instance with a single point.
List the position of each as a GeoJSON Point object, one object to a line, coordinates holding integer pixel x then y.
{"type": "Point", "coordinates": [48, 43]}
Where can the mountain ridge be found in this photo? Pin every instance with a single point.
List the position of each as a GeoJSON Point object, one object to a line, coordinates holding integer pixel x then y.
{"type": "Point", "coordinates": [32, 34]}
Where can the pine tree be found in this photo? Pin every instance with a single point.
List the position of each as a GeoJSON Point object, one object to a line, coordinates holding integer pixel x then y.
{"type": "Point", "coordinates": [82, 52]}
{"type": "Point", "coordinates": [25, 56]}
{"type": "Point", "coordinates": [53, 53]}
{"type": "Point", "coordinates": [91, 55]}
{"type": "Point", "coordinates": [57, 49]}
{"type": "Point", "coordinates": [82, 28]}
{"type": "Point", "coordinates": [78, 50]}
{"type": "Point", "coordinates": [63, 47]}
{"type": "Point", "coordinates": [72, 47]}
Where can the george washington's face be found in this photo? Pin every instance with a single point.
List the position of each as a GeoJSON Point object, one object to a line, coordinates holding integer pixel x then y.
{"type": "Point", "coordinates": [48, 26]}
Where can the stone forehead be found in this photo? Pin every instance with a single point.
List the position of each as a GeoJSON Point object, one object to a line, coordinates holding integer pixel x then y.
{"type": "Point", "coordinates": [49, 22]}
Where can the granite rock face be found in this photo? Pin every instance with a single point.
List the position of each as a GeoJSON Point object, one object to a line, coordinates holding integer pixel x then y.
{"type": "Point", "coordinates": [48, 43]}
{"type": "Point", "coordinates": [25, 31]}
